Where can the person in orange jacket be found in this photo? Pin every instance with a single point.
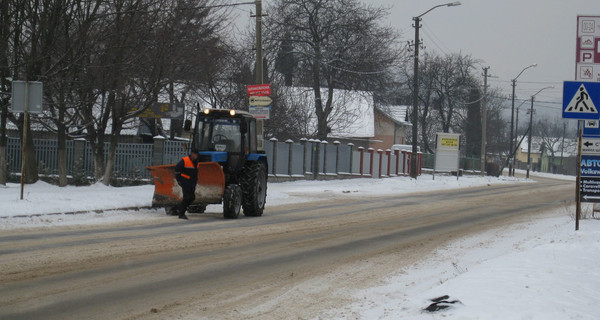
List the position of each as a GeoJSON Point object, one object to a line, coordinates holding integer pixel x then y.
{"type": "Point", "coordinates": [186, 173]}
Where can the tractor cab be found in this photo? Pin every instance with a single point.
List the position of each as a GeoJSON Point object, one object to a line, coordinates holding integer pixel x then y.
{"type": "Point", "coordinates": [226, 137]}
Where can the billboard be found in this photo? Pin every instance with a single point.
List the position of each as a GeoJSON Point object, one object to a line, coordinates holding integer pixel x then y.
{"type": "Point", "coordinates": [587, 58]}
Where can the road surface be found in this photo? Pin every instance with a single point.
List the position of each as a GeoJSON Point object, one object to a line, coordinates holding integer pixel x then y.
{"type": "Point", "coordinates": [293, 262]}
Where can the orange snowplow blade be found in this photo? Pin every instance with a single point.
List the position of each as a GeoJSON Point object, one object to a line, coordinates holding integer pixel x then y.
{"type": "Point", "coordinates": [167, 192]}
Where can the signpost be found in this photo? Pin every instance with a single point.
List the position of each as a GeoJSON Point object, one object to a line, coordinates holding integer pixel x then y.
{"type": "Point", "coordinates": [581, 101]}
{"type": "Point", "coordinates": [27, 98]}
{"type": "Point", "coordinates": [260, 101]}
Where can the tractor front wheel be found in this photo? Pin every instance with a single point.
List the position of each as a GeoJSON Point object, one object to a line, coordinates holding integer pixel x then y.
{"type": "Point", "coordinates": [232, 201]}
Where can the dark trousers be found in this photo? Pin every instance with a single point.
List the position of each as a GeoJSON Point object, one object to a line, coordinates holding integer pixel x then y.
{"type": "Point", "coordinates": [188, 198]}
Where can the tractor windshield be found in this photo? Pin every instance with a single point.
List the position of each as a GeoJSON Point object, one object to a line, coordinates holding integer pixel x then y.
{"type": "Point", "coordinates": [218, 135]}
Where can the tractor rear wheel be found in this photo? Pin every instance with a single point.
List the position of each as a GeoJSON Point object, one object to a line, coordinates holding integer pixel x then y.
{"type": "Point", "coordinates": [254, 186]}
{"type": "Point", "coordinates": [232, 201]}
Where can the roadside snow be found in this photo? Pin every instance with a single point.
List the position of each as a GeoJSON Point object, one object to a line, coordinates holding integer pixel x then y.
{"type": "Point", "coordinates": [542, 269]}
{"type": "Point", "coordinates": [44, 204]}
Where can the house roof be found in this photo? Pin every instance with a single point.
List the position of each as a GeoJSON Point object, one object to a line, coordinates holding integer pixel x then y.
{"type": "Point", "coordinates": [398, 114]}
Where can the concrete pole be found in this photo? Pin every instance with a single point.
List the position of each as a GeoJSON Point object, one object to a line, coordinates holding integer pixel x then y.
{"type": "Point", "coordinates": [484, 121]}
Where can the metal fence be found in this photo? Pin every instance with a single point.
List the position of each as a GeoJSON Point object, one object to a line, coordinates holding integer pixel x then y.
{"type": "Point", "coordinates": [289, 159]}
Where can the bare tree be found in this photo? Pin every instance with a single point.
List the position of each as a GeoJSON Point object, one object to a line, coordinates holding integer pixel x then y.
{"type": "Point", "coordinates": [444, 93]}
{"type": "Point", "coordinates": [551, 132]}
{"type": "Point", "coordinates": [330, 44]}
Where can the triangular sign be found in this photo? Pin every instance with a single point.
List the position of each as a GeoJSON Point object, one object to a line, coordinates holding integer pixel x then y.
{"type": "Point", "coordinates": [581, 102]}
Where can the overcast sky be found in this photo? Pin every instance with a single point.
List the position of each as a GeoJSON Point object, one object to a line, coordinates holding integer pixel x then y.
{"type": "Point", "coordinates": [506, 35]}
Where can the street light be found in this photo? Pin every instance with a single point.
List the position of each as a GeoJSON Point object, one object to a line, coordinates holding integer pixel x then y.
{"type": "Point", "coordinates": [511, 169]}
{"type": "Point", "coordinates": [415, 118]}
{"type": "Point", "coordinates": [531, 129]}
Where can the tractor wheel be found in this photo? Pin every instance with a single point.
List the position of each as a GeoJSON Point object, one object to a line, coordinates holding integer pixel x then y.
{"type": "Point", "coordinates": [232, 201]}
{"type": "Point", "coordinates": [254, 187]}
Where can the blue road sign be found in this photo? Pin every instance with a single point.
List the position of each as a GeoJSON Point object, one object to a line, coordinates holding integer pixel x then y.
{"type": "Point", "coordinates": [591, 128]}
{"type": "Point", "coordinates": [590, 166]}
{"type": "Point", "coordinates": [581, 100]}
{"type": "Point", "coordinates": [589, 184]}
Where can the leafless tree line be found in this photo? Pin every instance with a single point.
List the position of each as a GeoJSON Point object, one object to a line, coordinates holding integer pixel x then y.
{"type": "Point", "coordinates": [103, 62]}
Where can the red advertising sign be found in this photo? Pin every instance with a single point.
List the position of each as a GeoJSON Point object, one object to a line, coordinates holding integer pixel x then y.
{"type": "Point", "coordinates": [587, 59]}
{"type": "Point", "coordinates": [259, 90]}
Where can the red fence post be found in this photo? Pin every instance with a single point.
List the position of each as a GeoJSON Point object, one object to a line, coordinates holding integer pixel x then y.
{"type": "Point", "coordinates": [388, 152]}
{"type": "Point", "coordinates": [362, 159]}
{"type": "Point", "coordinates": [397, 153]}
{"type": "Point", "coordinates": [404, 162]}
{"type": "Point", "coordinates": [380, 162]}
{"type": "Point", "coordinates": [372, 152]}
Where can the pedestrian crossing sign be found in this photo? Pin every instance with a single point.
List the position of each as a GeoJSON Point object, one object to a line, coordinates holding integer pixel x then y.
{"type": "Point", "coordinates": [581, 100]}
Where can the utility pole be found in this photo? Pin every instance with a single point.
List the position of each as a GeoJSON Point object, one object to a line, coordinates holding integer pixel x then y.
{"type": "Point", "coordinates": [259, 53]}
{"type": "Point", "coordinates": [415, 115]}
{"type": "Point", "coordinates": [483, 121]}
{"type": "Point", "coordinates": [259, 70]}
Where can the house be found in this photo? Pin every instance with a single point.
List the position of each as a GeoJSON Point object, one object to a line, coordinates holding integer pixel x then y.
{"type": "Point", "coordinates": [391, 126]}
{"type": "Point", "coordinates": [355, 117]}
{"type": "Point", "coordinates": [562, 160]}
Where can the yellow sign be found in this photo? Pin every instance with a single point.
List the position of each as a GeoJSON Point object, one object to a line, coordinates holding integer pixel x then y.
{"type": "Point", "coordinates": [449, 142]}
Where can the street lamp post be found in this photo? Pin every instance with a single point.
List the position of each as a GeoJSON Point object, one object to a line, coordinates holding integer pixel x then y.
{"type": "Point", "coordinates": [511, 169]}
{"type": "Point", "coordinates": [531, 129]}
{"type": "Point", "coordinates": [415, 117]}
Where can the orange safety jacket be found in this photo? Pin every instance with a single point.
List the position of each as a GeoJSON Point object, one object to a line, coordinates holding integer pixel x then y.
{"type": "Point", "coordinates": [186, 174]}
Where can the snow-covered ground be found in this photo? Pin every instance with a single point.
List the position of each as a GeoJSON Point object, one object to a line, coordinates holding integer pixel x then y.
{"type": "Point", "coordinates": [542, 269]}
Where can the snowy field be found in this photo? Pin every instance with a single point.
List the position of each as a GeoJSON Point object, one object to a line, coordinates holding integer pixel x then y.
{"type": "Point", "coordinates": [542, 269]}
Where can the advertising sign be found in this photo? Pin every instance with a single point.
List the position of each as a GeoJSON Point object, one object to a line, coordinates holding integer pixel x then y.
{"type": "Point", "coordinates": [589, 185]}
{"type": "Point", "coordinates": [259, 90]}
{"type": "Point", "coordinates": [164, 110]}
{"type": "Point", "coordinates": [447, 152]}
{"type": "Point", "coordinates": [587, 60]}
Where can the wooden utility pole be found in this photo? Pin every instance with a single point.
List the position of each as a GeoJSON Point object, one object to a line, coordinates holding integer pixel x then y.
{"type": "Point", "coordinates": [484, 120]}
{"type": "Point", "coordinates": [259, 70]}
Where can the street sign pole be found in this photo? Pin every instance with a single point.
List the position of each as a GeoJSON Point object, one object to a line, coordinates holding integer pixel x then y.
{"type": "Point", "coordinates": [578, 183]}
{"type": "Point", "coordinates": [26, 97]}
{"type": "Point", "coordinates": [24, 142]}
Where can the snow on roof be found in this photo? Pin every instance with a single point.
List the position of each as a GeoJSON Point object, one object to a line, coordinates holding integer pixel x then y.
{"type": "Point", "coordinates": [398, 114]}
{"type": "Point", "coordinates": [352, 115]}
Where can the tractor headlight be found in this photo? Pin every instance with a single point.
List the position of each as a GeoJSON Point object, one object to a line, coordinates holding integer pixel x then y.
{"type": "Point", "coordinates": [232, 112]}
{"type": "Point", "coordinates": [206, 111]}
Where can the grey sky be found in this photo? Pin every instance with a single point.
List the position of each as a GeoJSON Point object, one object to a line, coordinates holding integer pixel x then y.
{"type": "Point", "coordinates": [507, 35]}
